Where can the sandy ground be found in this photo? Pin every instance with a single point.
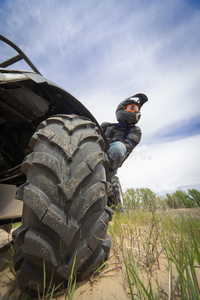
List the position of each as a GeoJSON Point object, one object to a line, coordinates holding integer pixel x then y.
{"type": "Point", "coordinates": [111, 283]}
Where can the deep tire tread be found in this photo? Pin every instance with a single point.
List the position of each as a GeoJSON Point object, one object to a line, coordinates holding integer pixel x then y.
{"type": "Point", "coordinates": [65, 197]}
{"type": "Point", "coordinates": [43, 159]}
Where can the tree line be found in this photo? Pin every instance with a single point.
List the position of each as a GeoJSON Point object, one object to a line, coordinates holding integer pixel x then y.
{"type": "Point", "coordinates": [144, 199]}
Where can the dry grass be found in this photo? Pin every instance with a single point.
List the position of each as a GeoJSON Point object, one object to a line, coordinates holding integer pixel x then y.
{"type": "Point", "coordinates": [160, 252]}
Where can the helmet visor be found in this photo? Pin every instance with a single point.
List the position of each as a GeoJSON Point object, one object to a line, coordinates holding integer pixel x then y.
{"type": "Point", "coordinates": [132, 108]}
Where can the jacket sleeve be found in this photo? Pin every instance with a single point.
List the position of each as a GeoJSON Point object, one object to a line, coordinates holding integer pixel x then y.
{"type": "Point", "coordinates": [132, 139]}
{"type": "Point", "coordinates": [104, 126]}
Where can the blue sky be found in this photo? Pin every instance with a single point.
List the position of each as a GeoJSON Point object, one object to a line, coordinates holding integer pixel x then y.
{"type": "Point", "coordinates": [104, 51]}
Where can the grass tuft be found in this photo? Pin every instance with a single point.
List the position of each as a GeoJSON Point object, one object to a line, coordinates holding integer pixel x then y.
{"type": "Point", "coordinates": [143, 241]}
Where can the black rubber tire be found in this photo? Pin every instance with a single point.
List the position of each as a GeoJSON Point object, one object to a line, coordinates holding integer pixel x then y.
{"type": "Point", "coordinates": [116, 198]}
{"type": "Point", "coordinates": [65, 211]}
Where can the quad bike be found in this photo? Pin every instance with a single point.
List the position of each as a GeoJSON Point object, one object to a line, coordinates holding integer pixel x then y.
{"type": "Point", "coordinates": [54, 151]}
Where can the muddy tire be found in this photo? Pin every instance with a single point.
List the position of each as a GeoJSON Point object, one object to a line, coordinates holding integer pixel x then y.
{"type": "Point", "coordinates": [65, 215]}
{"type": "Point", "coordinates": [116, 199]}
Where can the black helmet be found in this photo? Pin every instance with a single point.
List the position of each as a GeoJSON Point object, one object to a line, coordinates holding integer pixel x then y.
{"type": "Point", "coordinates": [129, 109]}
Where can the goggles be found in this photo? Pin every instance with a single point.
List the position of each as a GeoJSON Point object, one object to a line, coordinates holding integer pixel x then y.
{"type": "Point", "coordinates": [132, 107]}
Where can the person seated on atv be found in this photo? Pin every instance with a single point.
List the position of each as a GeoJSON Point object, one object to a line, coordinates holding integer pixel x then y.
{"type": "Point", "coordinates": [124, 136]}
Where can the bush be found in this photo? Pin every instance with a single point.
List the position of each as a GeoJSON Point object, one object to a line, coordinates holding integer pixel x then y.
{"type": "Point", "coordinates": [180, 199]}
{"type": "Point", "coordinates": [145, 199]}
{"type": "Point", "coordinates": [194, 195]}
{"type": "Point", "coordinates": [142, 199]}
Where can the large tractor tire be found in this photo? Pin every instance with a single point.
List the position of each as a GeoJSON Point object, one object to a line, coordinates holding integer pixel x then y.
{"type": "Point", "coordinates": [65, 214]}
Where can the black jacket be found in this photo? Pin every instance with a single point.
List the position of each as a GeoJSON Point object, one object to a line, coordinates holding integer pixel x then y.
{"type": "Point", "coordinates": [130, 135]}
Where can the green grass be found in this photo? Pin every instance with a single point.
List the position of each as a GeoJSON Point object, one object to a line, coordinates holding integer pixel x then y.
{"type": "Point", "coordinates": [17, 224]}
{"type": "Point", "coordinates": [141, 240]}
{"type": "Point", "coordinates": [45, 290]}
{"type": "Point", "coordinates": [51, 291]}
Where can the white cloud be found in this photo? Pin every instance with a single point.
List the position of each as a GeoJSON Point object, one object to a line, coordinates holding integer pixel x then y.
{"type": "Point", "coordinates": [163, 166]}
